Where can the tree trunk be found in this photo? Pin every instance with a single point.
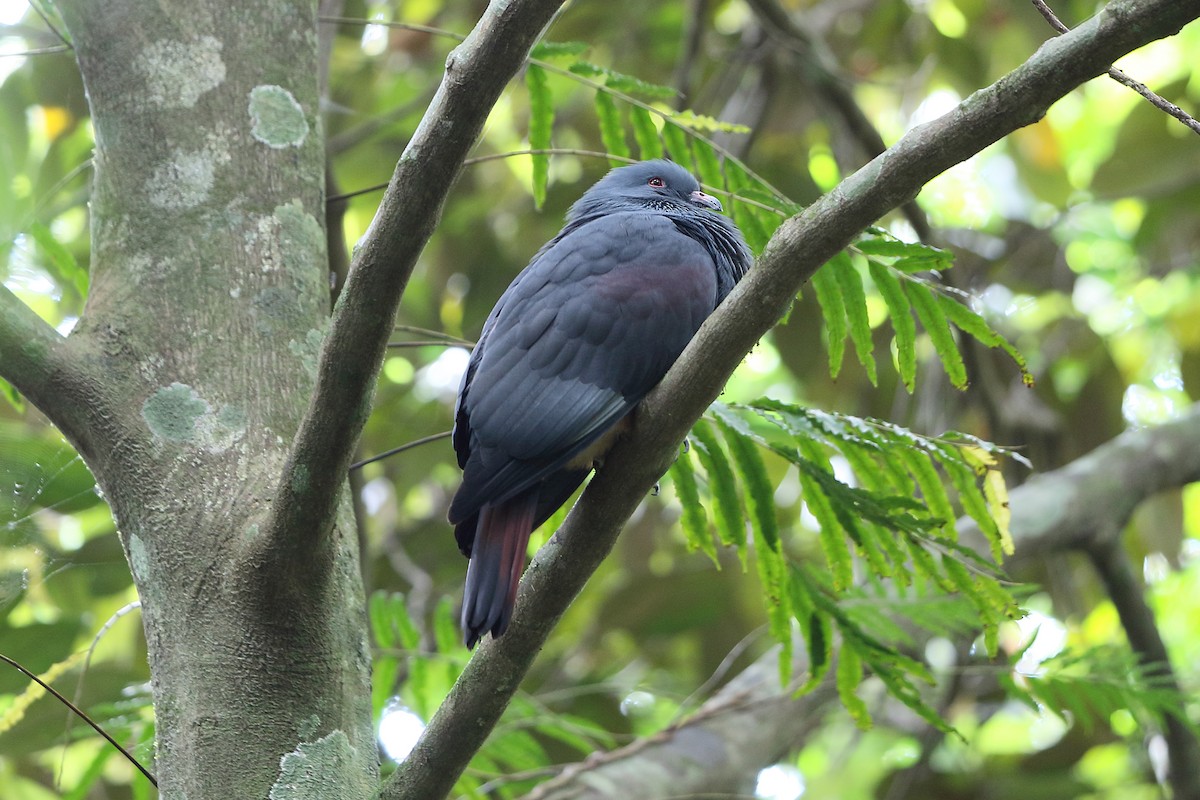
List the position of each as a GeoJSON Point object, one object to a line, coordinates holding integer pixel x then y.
{"type": "Point", "coordinates": [196, 357]}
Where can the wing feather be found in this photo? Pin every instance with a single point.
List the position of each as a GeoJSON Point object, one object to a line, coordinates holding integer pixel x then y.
{"type": "Point", "coordinates": [586, 330]}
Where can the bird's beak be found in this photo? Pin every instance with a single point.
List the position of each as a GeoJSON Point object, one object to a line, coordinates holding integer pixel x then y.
{"type": "Point", "coordinates": [707, 200]}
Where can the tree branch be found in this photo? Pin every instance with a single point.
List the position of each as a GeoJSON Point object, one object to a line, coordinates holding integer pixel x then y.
{"type": "Point", "coordinates": [800, 246]}
{"type": "Point", "coordinates": [1087, 502]}
{"type": "Point", "coordinates": [38, 361]}
{"type": "Point", "coordinates": [27, 346]}
{"type": "Point", "coordinates": [1137, 618]}
{"type": "Point", "coordinates": [476, 73]}
{"type": "Point", "coordinates": [750, 724]}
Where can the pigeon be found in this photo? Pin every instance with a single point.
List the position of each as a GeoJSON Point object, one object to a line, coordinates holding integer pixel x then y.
{"type": "Point", "coordinates": [581, 335]}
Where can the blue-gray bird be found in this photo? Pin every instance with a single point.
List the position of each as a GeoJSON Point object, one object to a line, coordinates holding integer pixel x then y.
{"type": "Point", "coordinates": [576, 341]}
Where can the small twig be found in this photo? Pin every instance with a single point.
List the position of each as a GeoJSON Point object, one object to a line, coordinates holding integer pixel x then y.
{"type": "Point", "coordinates": [562, 151]}
{"type": "Point", "coordinates": [408, 26]}
{"type": "Point", "coordinates": [431, 333]}
{"type": "Point", "coordinates": [1155, 99]}
{"type": "Point", "coordinates": [87, 661]}
{"type": "Point", "coordinates": [37, 9]}
{"type": "Point", "coordinates": [549, 151]}
{"type": "Point", "coordinates": [718, 674]}
{"type": "Point", "coordinates": [82, 716]}
{"type": "Point", "coordinates": [41, 51]}
{"type": "Point", "coordinates": [426, 343]}
{"type": "Point", "coordinates": [400, 449]}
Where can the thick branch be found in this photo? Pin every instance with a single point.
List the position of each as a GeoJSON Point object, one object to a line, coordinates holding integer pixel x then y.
{"type": "Point", "coordinates": [43, 367]}
{"type": "Point", "coordinates": [476, 72]}
{"type": "Point", "coordinates": [796, 251]}
{"type": "Point", "coordinates": [28, 346]}
{"type": "Point", "coordinates": [1088, 501]}
{"type": "Point", "coordinates": [750, 724]}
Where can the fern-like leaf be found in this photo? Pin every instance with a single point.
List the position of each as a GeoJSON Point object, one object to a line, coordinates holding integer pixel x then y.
{"type": "Point", "coordinates": [929, 311]}
{"type": "Point", "coordinates": [649, 145]}
{"type": "Point", "coordinates": [833, 309]}
{"type": "Point", "coordinates": [541, 122]}
{"type": "Point", "coordinates": [611, 130]}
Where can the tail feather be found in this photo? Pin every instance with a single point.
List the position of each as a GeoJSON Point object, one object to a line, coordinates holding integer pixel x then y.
{"type": "Point", "coordinates": [497, 561]}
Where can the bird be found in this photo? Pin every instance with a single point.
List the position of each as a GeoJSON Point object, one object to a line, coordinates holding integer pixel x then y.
{"type": "Point", "coordinates": [574, 343]}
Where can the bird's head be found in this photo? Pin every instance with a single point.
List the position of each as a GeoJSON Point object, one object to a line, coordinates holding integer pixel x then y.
{"type": "Point", "coordinates": [657, 185]}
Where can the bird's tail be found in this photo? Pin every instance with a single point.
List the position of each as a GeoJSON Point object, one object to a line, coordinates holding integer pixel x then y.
{"type": "Point", "coordinates": [497, 560]}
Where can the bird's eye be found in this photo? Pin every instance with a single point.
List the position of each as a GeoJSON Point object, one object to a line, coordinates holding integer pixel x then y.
{"type": "Point", "coordinates": [656, 182]}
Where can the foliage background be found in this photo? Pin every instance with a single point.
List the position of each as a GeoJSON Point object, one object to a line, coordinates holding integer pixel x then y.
{"type": "Point", "coordinates": [1076, 235]}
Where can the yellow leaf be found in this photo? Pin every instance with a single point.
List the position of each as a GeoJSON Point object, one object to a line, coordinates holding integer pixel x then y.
{"type": "Point", "coordinates": [996, 493]}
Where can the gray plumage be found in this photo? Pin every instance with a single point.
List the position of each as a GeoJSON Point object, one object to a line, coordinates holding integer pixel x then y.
{"type": "Point", "coordinates": [575, 342]}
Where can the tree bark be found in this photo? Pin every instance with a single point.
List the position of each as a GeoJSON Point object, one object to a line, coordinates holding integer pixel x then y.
{"type": "Point", "coordinates": [203, 390]}
{"type": "Point", "coordinates": [207, 305]}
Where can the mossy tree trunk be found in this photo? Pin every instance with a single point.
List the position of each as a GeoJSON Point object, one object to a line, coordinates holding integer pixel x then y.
{"type": "Point", "coordinates": [198, 348]}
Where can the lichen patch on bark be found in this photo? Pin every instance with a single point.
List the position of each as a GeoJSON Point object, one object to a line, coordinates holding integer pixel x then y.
{"type": "Point", "coordinates": [178, 414]}
{"type": "Point", "coordinates": [176, 73]}
{"type": "Point", "coordinates": [278, 120]}
{"type": "Point", "coordinates": [185, 179]}
{"type": "Point", "coordinates": [171, 412]}
{"type": "Point", "coordinates": [314, 769]}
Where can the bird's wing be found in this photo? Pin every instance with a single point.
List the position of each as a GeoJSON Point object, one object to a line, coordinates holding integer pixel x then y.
{"type": "Point", "coordinates": [576, 341]}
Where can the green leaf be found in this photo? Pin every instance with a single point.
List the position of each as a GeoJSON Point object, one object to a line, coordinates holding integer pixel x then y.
{"type": "Point", "coordinates": [970, 496]}
{"type": "Point", "coordinates": [987, 612]}
{"type": "Point", "coordinates": [849, 676]}
{"type": "Point", "coordinates": [933, 492]}
{"type": "Point", "coordinates": [829, 296]}
{"type": "Point", "coordinates": [706, 124]}
{"type": "Point", "coordinates": [559, 49]}
{"type": "Point", "coordinates": [756, 225]}
{"type": "Point", "coordinates": [646, 134]}
{"type": "Point", "coordinates": [14, 398]}
{"type": "Point", "coordinates": [934, 320]}
{"type": "Point", "coordinates": [611, 131]}
{"type": "Point", "coordinates": [678, 148]}
{"type": "Point", "coordinates": [902, 322]}
{"type": "Point", "coordinates": [622, 82]}
{"type": "Point", "coordinates": [854, 301]}
{"type": "Point", "coordinates": [814, 626]}
{"type": "Point", "coordinates": [693, 518]}
{"type": "Point", "coordinates": [708, 163]}
{"type": "Point", "coordinates": [380, 613]}
{"type": "Point", "coordinates": [768, 552]}
{"type": "Point", "coordinates": [722, 485]}
{"type": "Point", "coordinates": [891, 247]}
{"type": "Point", "coordinates": [541, 122]}
{"type": "Point", "coordinates": [975, 326]}
{"type": "Point", "coordinates": [838, 558]}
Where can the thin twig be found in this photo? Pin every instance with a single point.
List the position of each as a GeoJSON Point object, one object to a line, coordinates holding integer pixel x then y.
{"type": "Point", "coordinates": [41, 51]}
{"type": "Point", "coordinates": [82, 716]}
{"type": "Point", "coordinates": [426, 343]}
{"type": "Point", "coordinates": [37, 9]}
{"type": "Point", "coordinates": [414, 443]}
{"type": "Point", "coordinates": [1155, 99]}
{"type": "Point", "coordinates": [431, 333]}
{"type": "Point", "coordinates": [87, 661]}
{"type": "Point", "coordinates": [565, 151]}
{"type": "Point", "coordinates": [407, 26]}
